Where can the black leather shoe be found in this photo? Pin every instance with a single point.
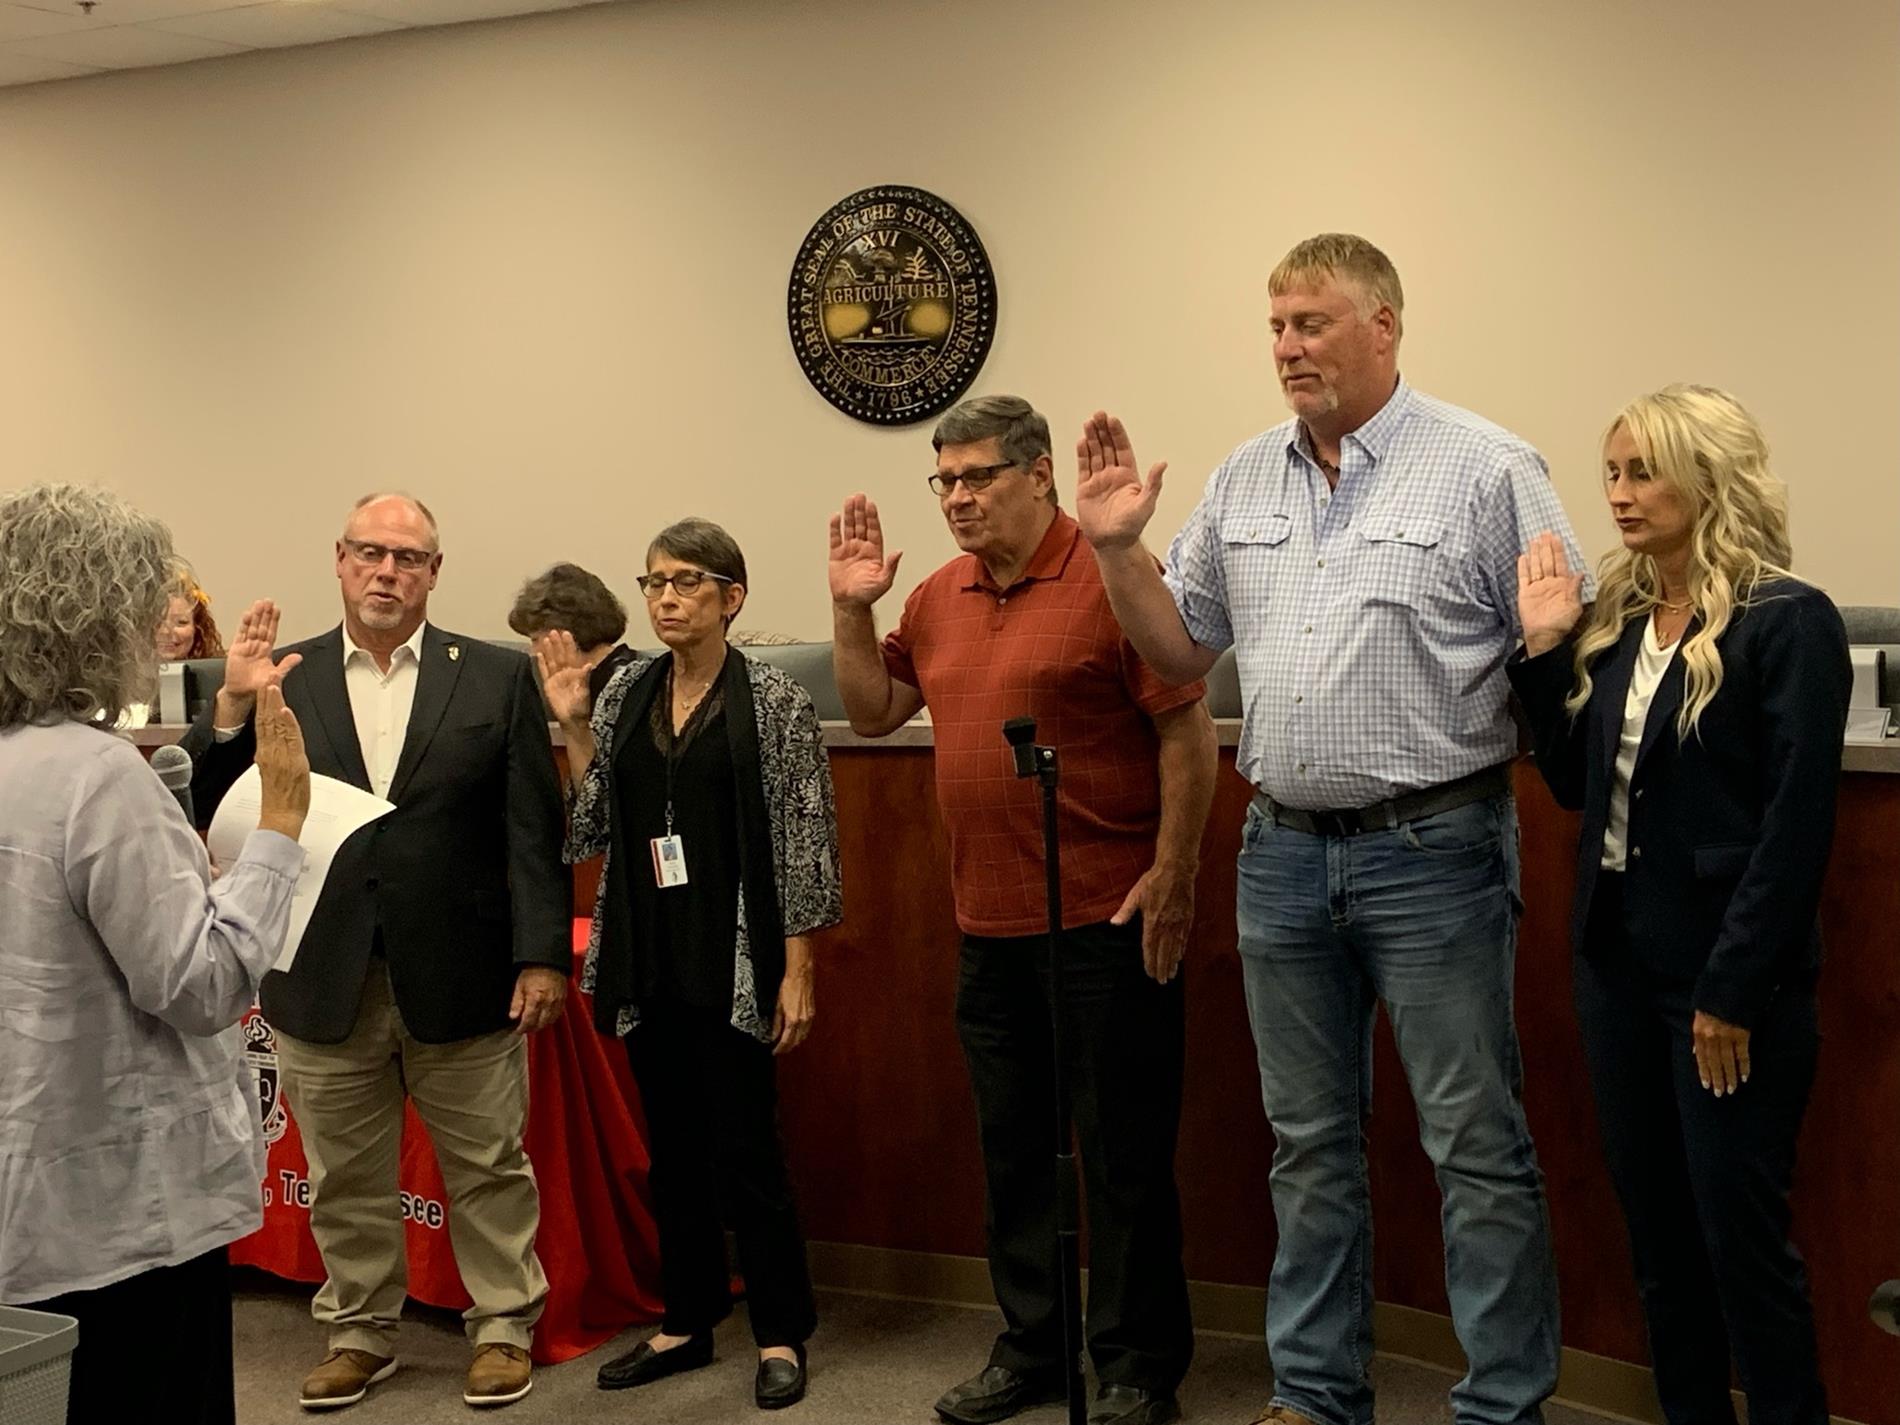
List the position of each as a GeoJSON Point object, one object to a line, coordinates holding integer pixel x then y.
{"type": "Point", "coordinates": [643, 1364]}
{"type": "Point", "coordinates": [996, 1393]}
{"type": "Point", "coordinates": [1131, 1405]}
{"type": "Point", "coordinates": [780, 1382]}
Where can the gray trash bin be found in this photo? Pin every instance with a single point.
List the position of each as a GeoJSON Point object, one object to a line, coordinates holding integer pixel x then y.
{"type": "Point", "coordinates": [36, 1357]}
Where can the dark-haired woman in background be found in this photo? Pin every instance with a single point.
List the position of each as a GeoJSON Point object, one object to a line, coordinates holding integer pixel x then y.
{"type": "Point", "coordinates": [569, 599]}
{"type": "Point", "coordinates": [702, 775]}
{"type": "Point", "coordinates": [1697, 721]}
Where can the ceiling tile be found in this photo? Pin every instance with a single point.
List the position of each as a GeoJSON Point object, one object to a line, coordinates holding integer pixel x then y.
{"type": "Point", "coordinates": [135, 12]}
{"type": "Point", "coordinates": [24, 22]}
{"type": "Point", "coordinates": [28, 69]}
{"type": "Point", "coordinates": [290, 22]}
{"type": "Point", "coordinates": [54, 39]}
{"type": "Point", "coordinates": [121, 47]}
{"type": "Point", "coordinates": [447, 12]}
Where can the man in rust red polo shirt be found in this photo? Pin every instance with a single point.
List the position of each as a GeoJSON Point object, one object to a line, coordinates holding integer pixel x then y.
{"type": "Point", "coordinates": [1019, 624]}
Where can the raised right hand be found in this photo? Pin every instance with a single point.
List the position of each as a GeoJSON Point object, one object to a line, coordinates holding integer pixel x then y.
{"type": "Point", "coordinates": [1549, 596]}
{"type": "Point", "coordinates": [860, 574]}
{"type": "Point", "coordinates": [282, 766]}
{"type": "Point", "coordinates": [564, 678]}
{"type": "Point", "coordinates": [1112, 503]}
{"type": "Point", "coordinates": [248, 666]}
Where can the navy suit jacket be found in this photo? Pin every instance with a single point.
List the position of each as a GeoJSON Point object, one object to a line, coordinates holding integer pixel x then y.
{"type": "Point", "coordinates": [464, 879]}
{"type": "Point", "coordinates": [1729, 830]}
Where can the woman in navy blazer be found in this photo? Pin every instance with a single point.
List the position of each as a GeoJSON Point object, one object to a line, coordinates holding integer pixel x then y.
{"type": "Point", "coordinates": [1694, 715]}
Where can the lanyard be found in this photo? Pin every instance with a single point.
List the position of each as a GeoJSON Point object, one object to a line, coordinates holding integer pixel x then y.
{"type": "Point", "coordinates": [673, 734]}
{"type": "Point", "coordinates": [672, 746]}
{"type": "Point", "coordinates": [673, 737]}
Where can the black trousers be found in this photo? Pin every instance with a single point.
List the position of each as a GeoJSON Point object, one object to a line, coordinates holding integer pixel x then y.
{"type": "Point", "coordinates": [1124, 1040]}
{"type": "Point", "coordinates": [1704, 1184]}
{"type": "Point", "coordinates": [711, 1100]}
{"type": "Point", "coordinates": [156, 1346]}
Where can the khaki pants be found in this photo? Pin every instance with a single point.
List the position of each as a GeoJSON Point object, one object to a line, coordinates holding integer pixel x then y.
{"type": "Point", "coordinates": [473, 1097]}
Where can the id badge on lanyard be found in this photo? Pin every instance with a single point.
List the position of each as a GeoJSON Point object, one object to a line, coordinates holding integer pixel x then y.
{"type": "Point", "coordinates": [669, 851]}
{"type": "Point", "coordinates": [669, 856]}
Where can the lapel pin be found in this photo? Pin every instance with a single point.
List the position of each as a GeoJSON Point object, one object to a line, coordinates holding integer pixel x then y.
{"type": "Point", "coordinates": [455, 652]}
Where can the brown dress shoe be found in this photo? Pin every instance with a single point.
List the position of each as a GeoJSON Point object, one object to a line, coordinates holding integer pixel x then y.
{"type": "Point", "coordinates": [1280, 1415]}
{"type": "Point", "coordinates": [342, 1378]}
{"type": "Point", "coordinates": [499, 1375]}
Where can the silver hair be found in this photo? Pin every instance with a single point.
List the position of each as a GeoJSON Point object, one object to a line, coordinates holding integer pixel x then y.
{"type": "Point", "coordinates": [1021, 430]}
{"type": "Point", "coordinates": [408, 499]}
{"type": "Point", "coordinates": [84, 580]}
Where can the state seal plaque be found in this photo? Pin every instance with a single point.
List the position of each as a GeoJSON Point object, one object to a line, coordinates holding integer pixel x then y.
{"type": "Point", "coordinates": [892, 305]}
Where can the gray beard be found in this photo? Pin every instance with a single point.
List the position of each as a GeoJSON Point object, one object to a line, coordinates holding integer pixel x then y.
{"type": "Point", "coordinates": [1329, 402]}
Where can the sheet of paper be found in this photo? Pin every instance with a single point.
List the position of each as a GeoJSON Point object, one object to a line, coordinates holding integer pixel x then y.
{"type": "Point", "coordinates": [1869, 726]}
{"type": "Point", "coordinates": [337, 811]}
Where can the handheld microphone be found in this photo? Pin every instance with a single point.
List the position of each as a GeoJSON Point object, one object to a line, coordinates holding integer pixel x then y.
{"type": "Point", "coordinates": [173, 765]}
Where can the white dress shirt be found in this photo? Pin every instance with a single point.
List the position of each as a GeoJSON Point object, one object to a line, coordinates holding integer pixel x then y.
{"type": "Point", "coordinates": [1652, 660]}
{"type": "Point", "coordinates": [381, 702]}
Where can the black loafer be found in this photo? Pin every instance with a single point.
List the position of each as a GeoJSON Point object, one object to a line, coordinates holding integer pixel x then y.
{"type": "Point", "coordinates": [780, 1382]}
{"type": "Point", "coordinates": [996, 1393]}
{"type": "Point", "coordinates": [1131, 1405]}
{"type": "Point", "coordinates": [643, 1364]}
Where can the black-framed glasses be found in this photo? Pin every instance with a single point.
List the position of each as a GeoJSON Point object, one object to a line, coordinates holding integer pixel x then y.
{"type": "Point", "coordinates": [686, 581]}
{"type": "Point", "coordinates": [981, 478]}
{"type": "Point", "coordinates": [372, 555]}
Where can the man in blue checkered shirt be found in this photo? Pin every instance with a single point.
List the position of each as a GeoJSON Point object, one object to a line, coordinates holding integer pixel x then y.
{"type": "Point", "coordinates": [1361, 560]}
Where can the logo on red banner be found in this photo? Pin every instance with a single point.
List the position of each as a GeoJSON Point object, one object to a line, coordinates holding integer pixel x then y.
{"type": "Point", "coordinates": [260, 1052]}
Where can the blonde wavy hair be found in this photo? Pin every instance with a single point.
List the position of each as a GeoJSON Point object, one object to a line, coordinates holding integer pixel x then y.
{"type": "Point", "coordinates": [84, 579]}
{"type": "Point", "coordinates": [206, 641]}
{"type": "Point", "coordinates": [1703, 444]}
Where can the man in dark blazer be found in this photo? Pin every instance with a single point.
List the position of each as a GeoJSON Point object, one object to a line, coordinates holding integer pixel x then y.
{"type": "Point", "coordinates": [441, 938]}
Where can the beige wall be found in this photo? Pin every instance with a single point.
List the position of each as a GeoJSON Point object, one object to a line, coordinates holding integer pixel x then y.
{"type": "Point", "coordinates": [536, 269]}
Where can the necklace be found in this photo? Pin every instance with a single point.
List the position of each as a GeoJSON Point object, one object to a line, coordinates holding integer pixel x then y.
{"type": "Point", "coordinates": [688, 697]}
{"type": "Point", "coordinates": [1666, 616]}
{"type": "Point", "coordinates": [686, 700]}
{"type": "Point", "coordinates": [684, 707]}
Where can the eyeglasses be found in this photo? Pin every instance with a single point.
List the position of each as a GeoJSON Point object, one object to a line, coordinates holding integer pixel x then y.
{"type": "Point", "coordinates": [372, 555]}
{"type": "Point", "coordinates": [980, 478]}
{"type": "Point", "coordinates": [686, 581]}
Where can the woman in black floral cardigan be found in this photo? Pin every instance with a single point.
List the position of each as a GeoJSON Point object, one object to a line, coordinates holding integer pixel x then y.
{"type": "Point", "coordinates": [702, 777]}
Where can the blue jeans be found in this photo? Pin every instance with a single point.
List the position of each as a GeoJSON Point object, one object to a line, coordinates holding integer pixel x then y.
{"type": "Point", "coordinates": [1423, 919]}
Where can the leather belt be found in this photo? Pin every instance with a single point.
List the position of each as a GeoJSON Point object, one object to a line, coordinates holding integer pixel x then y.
{"type": "Point", "coordinates": [1384, 816]}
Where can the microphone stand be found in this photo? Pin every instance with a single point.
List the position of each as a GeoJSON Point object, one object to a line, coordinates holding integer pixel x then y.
{"type": "Point", "coordinates": [1040, 763]}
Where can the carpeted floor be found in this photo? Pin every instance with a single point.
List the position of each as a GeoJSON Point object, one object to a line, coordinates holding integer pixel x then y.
{"type": "Point", "coordinates": [873, 1362]}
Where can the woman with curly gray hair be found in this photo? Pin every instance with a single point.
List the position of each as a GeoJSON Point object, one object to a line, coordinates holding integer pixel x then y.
{"type": "Point", "coordinates": [130, 1152]}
